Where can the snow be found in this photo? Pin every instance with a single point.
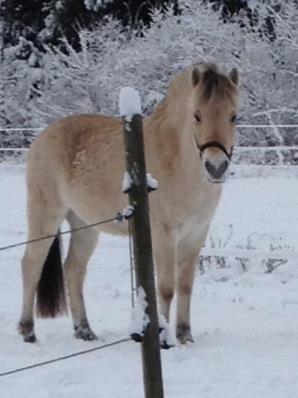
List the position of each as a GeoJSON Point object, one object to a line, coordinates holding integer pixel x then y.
{"type": "Point", "coordinates": [166, 336]}
{"type": "Point", "coordinates": [127, 212]}
{"type": "Point", "coordinates": [129, 102]}
{"type": "Point", "coordinates": [245, 324]}
{"type": "Point", "coordinates": [110, 59]}
{"type": "Point", "coordinates": [152, 183]}
{"type": "Point", "coordinates": [126, 182]}
{"type": "Point", "coordinates": [139, 319]}
{"type": "Point", "coordinates": [95, 4]}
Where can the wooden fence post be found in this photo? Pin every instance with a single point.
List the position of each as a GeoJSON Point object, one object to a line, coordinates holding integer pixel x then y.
{"type": "Point", "coordinates": [138, 198]}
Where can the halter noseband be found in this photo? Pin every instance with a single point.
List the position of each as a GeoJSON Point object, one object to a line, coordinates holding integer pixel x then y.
{"type": "Point", "coordinates": [215, 144]}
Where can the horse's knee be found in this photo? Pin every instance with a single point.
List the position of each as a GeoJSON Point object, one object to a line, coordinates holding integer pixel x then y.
{"type": "Point", "coordinates": [184, 288]}
{"type": "Point", "coordinates": [185, 277]}
{"type": "Point", "coordinates": [166, 293]}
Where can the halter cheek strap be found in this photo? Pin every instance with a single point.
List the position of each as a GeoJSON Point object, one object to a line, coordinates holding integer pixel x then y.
{"type": "Point", "coordinates": [214, 144]}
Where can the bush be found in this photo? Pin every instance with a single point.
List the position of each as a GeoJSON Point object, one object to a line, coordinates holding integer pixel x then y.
{"type": "Point", "coordinates": [90, 80]}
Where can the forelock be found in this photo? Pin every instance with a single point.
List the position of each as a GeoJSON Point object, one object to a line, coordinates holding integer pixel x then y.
{"type": "Point", "coordinates": [215, 85]}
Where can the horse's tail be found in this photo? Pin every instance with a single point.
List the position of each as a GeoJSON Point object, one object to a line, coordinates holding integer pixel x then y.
{"type": "Point", "coordinates": [50, 291]}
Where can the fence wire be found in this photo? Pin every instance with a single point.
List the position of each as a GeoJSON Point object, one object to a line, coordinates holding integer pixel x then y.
{"type": "Point", "coordinates": [118, 218]}
{"type": "Point", "coordinates": [64, 357]}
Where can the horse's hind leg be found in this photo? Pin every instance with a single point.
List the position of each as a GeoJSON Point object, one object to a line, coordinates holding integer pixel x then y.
{"type": "Point", "coordinates": [81, 247]}
{"type": "Point", "coordinates": [42, 221]}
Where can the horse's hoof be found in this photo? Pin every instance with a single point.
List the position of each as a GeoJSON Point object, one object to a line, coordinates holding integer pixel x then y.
{"type": "Point", "coordinates": [183, 334]}
{"type": "Point", "coordinates": [165, 337]}
{"type": "Point", "coordinates": [164, 345]}
{"type": "Point", "coordinates": [84, 333]}
{"type": "Point", "coordinates": [137, 337]}
{"type": "Point", "coordinates": [31, 338]}
{"type": "Point", "coordinates": [26, 329]}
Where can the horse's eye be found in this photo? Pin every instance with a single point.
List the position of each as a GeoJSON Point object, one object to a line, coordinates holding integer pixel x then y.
{"type": "Point", "coordinates": [233, 118]}
{"type": "Point", "coordinates": [197, 117]}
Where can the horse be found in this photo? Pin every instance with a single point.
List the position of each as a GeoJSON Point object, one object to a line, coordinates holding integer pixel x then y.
{"type": "Point", "coordinates": [75, 169]}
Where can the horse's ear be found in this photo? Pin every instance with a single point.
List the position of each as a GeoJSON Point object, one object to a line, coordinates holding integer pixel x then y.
{"type": "Point", "coordinates": [195, 76]}
{"type": "Point", "coordinates": [234, 76]}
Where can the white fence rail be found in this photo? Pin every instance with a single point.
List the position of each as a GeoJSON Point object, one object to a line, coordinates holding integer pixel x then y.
{"type": "Point", "coordinates": [238, 149]}
{"type": "Point", "coordinates": [238, 126]}
{"type": "Point", "coordinates": [21, 128]}
{"type": "Point", "coordinates": [13, 149]}
{"type": "Point", "coordinates": [273, 126]}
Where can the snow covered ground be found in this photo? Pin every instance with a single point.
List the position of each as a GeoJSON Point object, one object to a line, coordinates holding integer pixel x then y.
{"type": "Point", "coordinates": [245, 324]}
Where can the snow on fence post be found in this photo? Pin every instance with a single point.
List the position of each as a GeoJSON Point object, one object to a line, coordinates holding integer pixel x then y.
{"type": "Point", "coordinates": [130, 110]}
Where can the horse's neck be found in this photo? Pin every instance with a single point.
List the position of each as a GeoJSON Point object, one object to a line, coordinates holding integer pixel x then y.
{"type": "Point", "coordinates": [164, 131]}
{"type": "Point", "coordinates": [171, 112]}
{"type": "Point", "coordinates": [170, 147]}
{"type": "Point", "coordinates": [168, 133]}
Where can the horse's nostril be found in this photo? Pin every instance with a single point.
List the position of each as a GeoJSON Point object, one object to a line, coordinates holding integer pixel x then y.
{"type": "Point", "coordinates": [216, 171]}
{"type": "Point", "coordinates": [223, 167]}
{"type": "Point", "coordinates": [210, 168]}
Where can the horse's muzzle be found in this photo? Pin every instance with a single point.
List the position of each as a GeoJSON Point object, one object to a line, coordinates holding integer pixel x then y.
{"type": "Point", "coordinates": [215, 167]}
{"type": "Point", "coordinates": [216, 171]}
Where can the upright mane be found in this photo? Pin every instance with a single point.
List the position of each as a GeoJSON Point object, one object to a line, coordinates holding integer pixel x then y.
{"type": "Point", "coordinates": [215, 84]}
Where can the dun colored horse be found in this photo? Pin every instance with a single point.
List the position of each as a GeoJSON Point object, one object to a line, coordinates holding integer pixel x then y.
{"type": "Point", "coordinates": [75, 170]}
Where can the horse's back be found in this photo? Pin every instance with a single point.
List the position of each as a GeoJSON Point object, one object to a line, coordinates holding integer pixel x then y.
{"type": "Point", "coordinates": [64, 153]}
{"type": "Point", "coordinates": [66, 135]}
{"type": "Point", "coordinates": [56, 148]}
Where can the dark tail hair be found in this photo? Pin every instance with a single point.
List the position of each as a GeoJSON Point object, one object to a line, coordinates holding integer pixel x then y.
{"type": "Point", "coordinates": [50, 291]}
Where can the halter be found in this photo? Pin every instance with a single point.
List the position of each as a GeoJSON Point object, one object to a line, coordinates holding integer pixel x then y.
{"type": "Point", "coordinates": [214, 144]}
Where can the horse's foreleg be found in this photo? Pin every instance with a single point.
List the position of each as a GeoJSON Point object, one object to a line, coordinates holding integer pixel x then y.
{"type": "Point", "coordinates": [165, 261]}
{"type": "Point", "coordinates": [185, 277]}
{"type": "Point", "coordinates": [82, 245]}
{"type": "Point", "coordinates": [188, 253]}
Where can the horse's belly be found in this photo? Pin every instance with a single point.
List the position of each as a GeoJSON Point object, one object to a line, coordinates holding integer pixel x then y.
{"type": "Point", "coordinates": [94, 198]}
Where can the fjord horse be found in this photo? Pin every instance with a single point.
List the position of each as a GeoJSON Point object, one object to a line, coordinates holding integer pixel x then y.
{"type": "Point", "coordinates": [74, 172]}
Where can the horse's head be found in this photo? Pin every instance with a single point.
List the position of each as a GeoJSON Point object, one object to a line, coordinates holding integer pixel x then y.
{"type": "Point", "coordinates": [213, 110]}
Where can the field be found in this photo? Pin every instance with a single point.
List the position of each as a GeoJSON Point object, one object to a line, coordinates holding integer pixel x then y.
{"type": "Point", "coordinates": [245, 322]}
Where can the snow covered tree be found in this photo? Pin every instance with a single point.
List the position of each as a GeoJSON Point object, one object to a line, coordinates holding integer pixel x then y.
{"type": "Point", "coordinates": [46, 22]}
{"type": "Point", "coordinates": [110, 57]}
